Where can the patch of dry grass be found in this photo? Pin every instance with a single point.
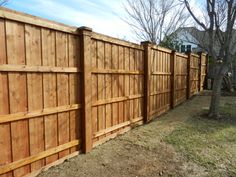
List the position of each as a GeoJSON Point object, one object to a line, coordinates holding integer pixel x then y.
{"type": "Point", "coordinates": [209, 143]}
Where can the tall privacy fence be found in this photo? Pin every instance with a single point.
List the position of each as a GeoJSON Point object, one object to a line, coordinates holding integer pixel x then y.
{"type": "Point", "coordinates": [65, 90]}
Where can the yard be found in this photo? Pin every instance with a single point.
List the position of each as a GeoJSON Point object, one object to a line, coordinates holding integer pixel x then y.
{"type": "Point", "coordinates": [180, 143]}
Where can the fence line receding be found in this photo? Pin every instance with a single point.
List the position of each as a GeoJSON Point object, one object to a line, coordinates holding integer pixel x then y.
{"type": "Point", "coordinates": [65, 90]}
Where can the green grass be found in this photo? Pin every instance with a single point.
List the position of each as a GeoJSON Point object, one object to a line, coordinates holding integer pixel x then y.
{"type": "Point", "coordinates": [209, 143]}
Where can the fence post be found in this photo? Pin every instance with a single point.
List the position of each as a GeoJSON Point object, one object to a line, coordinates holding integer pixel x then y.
{"type": "Point", "coordinates": [85, 49]}
{"type": "Point", "coordinates": [188, 76]}
{"type": "Point", "coordinates": [147, 77]}
{"type": "Point", "coordinates": [173, 78]}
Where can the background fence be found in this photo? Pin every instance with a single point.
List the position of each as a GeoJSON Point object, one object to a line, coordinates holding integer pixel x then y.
{"type": "Point", "coordinates": [64, 89]}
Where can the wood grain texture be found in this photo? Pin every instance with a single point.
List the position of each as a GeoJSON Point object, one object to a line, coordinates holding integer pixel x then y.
{"type": "Point", "coordinates": [126, 85]}
{"type": "Point", "coordinates": [62, 90]}
{"type": "Point", "coordinates": [37, 157]}
{"type": "Point", "coordinates": [160, 87]}
{"type": "Point", "coordinates": [35, 92]}
{"type": "Point", "coordinates": [74, 90]}
{"type": "Point", "coordinates": [121, 84]}
{"type": "Point", "coordinates": [181, 74]}
{"type": "Point", "coordinates": [101, 85]}
{"type": "Point", "coordinates": [18, 94]}
{"type": "Point", "coordinates": [108, 86]}
{"type": "Point", "coordinates": [147, 79]}
{"type": "Point", "coordinates": [117, 81]}
{"type": "Point", "coordinates": [5, 131]}
{"type": "Point", "coordinates": [38, 113]}
{"type": "Point", "coordinates": [115, 85]}
{"type": "Point", "coordinates": [50, 91]}
{"type": "Point", "coordinates": [132, 82]}
{"type": "Point", "coordinates": [86, 49]}
{"type": "Point", "coordinates": [37, 69]}
{"type": "Point", "coordinates": [94, 88]}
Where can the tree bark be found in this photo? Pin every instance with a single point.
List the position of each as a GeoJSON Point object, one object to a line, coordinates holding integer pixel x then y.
{"type": "Point", "coordinates": [216, 93]}
{"type": "Point", "coordinates": [215, 98]}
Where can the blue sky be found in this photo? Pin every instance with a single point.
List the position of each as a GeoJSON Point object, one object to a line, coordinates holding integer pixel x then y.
{"type": "Point", "coordinates": [104, 16]}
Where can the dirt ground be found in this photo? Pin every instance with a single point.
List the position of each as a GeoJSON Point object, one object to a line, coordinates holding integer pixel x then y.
{"type": "Point", "coordinates": [141, 152]}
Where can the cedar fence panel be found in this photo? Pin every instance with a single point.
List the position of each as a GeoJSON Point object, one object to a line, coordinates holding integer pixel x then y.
{"type": "Point", "coordinates": [39, 94]}
{"type": "Point", "coordinates": [194, 74]}
{"type": "Point", "coordinates": [181, 78]}
{"type": "Point", "coordinates": [160, 81]}
{"type": "Point", "coordinates": [65, 89]}
{"type": "Point", "coordinates": [117, 86]}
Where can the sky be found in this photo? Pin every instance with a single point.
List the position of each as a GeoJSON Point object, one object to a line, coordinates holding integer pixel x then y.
{"type": "Point", "coordinates": [103, 16]}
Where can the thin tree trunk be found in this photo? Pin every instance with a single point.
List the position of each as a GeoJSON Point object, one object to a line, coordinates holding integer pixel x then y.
{"type": "Point", "coordinates": [216, 92]}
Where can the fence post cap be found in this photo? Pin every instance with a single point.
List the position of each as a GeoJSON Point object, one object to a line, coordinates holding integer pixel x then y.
{"type": "Point", "coordinates": [84, 30]}
{"type": "Point", "coordinates": [146, 43]}
{"type": "Point", "coordinates": [202, 53]}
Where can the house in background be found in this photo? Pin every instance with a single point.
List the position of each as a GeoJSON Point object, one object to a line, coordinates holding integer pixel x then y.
{"type": "Point", "coordinates": [190, 39]}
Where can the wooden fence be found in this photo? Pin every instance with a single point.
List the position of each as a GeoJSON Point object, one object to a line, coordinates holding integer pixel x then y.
{"type": "Point", "coordinates": [65, 90]}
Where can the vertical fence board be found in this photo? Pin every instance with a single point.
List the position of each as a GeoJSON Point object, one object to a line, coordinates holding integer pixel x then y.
{"type": "Point", "coordinates": [50, 92]}
{"type": "Point", "coordinates": [189, 61]}
{"type": "Point", "coordinates": [120, 84]}
{"type": "Point", "coordinates": [115, 85]}
{"type": "Point", "coordinates": [94, 86]}
{"type": "Point", "coordinates": [131, 86]}
{"type": "Point", "coordinates": [126, 89]}
{"type": "Point", "coordinates": [108, 85]}
{"type": "Point", "coordinates": [62, 90]}
{"type": "Point", "coordinates": [173, 79]}
{"type": "Point", "coordinates": [74, 90]}
{"type": "Point", "coordinates": [5, 131]}
{"type": "Point", "coordinates": [35, 92]}
{"type": "Point", "coordinates": [141, 83]}
{"type": "Point", "coordinates": [135, 86]}
{"type": "Point", "coordinates": [18, 94]}
{"type": "Point", "coordinates": [101, 86]}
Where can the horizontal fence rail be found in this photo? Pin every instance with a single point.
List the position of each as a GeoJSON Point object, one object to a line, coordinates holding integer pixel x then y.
{"type": "Point", "coordinates": [64, 90]}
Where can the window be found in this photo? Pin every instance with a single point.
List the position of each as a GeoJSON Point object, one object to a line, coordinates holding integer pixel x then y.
{"type": "Point", "coordinates": [189, 48]}
{"type": "Point", "coordinates": [182, 48]}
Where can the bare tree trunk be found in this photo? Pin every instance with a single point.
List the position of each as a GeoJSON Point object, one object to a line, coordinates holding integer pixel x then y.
{"type": "Point", "coordinates": [220, 18]}
{"type": "Point", "coordinates": [215, 98]}
{"type": "Point", "coordinates": [216, 92]}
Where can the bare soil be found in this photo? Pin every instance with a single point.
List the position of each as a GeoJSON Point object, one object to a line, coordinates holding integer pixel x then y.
{"type": "Point", "coordinates": [141, 152]}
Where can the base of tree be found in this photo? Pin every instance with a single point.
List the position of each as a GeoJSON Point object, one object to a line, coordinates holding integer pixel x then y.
{"type": "Point", "coordinates": [214, 116]}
